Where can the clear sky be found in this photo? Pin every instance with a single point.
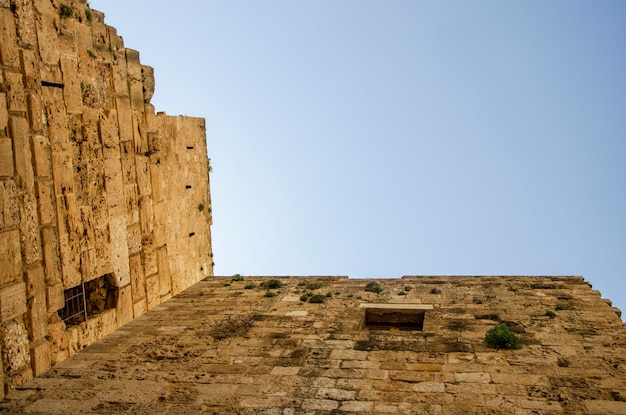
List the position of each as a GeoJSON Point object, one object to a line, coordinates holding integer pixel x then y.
{"type": "Point", "coordinates": [389, 138]}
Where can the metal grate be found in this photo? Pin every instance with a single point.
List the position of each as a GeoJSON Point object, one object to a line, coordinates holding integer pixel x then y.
{"type": "Point", "coordinates": [75, 309]}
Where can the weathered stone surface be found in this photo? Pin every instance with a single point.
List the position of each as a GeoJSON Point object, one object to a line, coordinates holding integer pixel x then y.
{"type": "Point", "coordinates": [325, 360]}
{"type": "Point", "coordinates": [76, 200]}
{"type": "Point", "coordinates": [12, 301]}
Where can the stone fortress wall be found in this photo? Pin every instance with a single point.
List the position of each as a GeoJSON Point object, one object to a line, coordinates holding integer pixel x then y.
{"type": "Point", "coordinates": [100, 197]}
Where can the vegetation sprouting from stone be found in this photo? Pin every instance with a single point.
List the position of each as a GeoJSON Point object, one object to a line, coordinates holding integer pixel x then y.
{"type": "Point", "coordinates": [237, 277]}
{"type": "Point", "coordinates": [373, 286]}
{"type": "Point", "coordinates": [66, 11]}
{"type": "Point", "coordinates": [89, 15]}
{"type": "Point", "coordinates": [201, 207]}
{"type": "Point", "coordinates": [550, 314]}
{"type": "Point", "coordinates": [316, 298]}
{"type": "Point", "coordinates": [270, 294]}
{"type": "Point", "coordinates": [314, 285]}
{"type": "Point", "coordinates": [435, 291]}
{"type": "Point", "coordinates": [271, 284]}
{"type": "Point", "coordinates": [250, 286]}
{"type": "Point", "coordinates": [501, 337]}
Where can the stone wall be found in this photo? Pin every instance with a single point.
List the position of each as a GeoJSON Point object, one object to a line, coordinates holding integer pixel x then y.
{"type": "Point", "coordinates": [226, 346]}
{"type": "Point", "coordinates": [93, 184]}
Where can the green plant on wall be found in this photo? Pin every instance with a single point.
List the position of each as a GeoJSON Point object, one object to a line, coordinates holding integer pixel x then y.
{"type": "Point", "coordinates": [501, 337]}
{"type": "Point", "coordinates": [201, 207]}
{"type": "Point", "coordinates": [66, 11]}
{"type": "Point", "coordinates": [373, 286]}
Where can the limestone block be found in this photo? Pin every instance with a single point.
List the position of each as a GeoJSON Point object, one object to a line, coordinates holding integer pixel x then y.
{"type": "Point", "coordinates": [87, 265]}
{"type": "Point", "coordinates": [147, 73]}
{"type": "Point", "coordinates": [160, 223]}
{"type": "Point", "coordinates": [62, 172]}
{"type": "Point", "coordinates": [29, 63]}
{"type": "Point", "coordinates": [127, 153]}
{"type": "Point", "coordinates": [109, 135]}
{"type": "Point", "coordinates": [29, 229]}
{"type": "Point", "coordinates": [119, 251]}
{"type": "Point", "coordinates": [124, 117]}
{"type": "Point", "coordinates": [70, 263]}
{"type": "Point", "coordinates": [9, 52]}
{"type": "Point", "coordinates": [149, 256]}
{"type": "Point", "coordinates": [116, 204]}
{"type": "Point", "coordinates": [136, 95]}
{"type": "Point", "coordinates": [36, 317]}
{"type": "Point", "coordinates": [6, 158]}
{"type": "Point", "coordinates": [133, 233]}
{"type": "Point", "coordinates": [51, 256]}
{"type": "Point", "coordinates": [113, 182]}
{"type": "Point", "coordinates": [133, 65]}
{"type": "Point", "coordinates": [71, 81]}
{"type": "Point", "coordinates": [4, 117]}
{"type": "Point", "coordinates": [40, 357]}
{"type": "Point", "coordinates": [9, 213]}
{"type": "Point", "coordinates": [55, 297]}
{"type": "Point", "coordinates": [165, 281]}
{"type": "Point", "coordinates": [41, 156]}
{"type": "Point", "coordinates": [25, 24]}
{"type": "Point", "coordinates": [88, 240]}
{"type": "Point", "coordinates": [45, 199]}
{"type": "Point", "coordinates": [137, 278]}
{"type": "Point", "coordinates": [132, 203]}
{"type": "Point", "coordinates": [140, 307]}
{"type": "Point", "coordinates": [146, 217]}
{"type": "Point", "coordinates": [14, 344]}
{"type": "Point", "coordinates": [152, 290]}
{"type": "Point", "coordinates": [124, 306]}
{"type": "Point", "coordinates": [67, 39]}
{"type": "Point", "coordinates": [102, 250]}
{"type": "Point", "coordinates": [48, 40]}
{"type": "Point", "coordinates": [24, 176]}
{"type": "Point", "coordinates": [144, 184]}
{"type": "Point", "coordinates": [16, 98]}
{"type": "Point", "coordinates": [10, 257]}
{"type": "Point", "coordinates": [156, 183]}
{"type": "Point", "coordinates": [12, 301]}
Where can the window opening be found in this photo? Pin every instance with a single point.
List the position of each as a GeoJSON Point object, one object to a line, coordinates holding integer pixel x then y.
{"type": "Point", "coordinates": [52, 84]}
{"type": "Point", "coordinates": [192, 234]}
{"type": "Point", "coordinates": [88, 299]}
{"type": "Point", "coordinates": [188, 186]}
{"type": "Point", "coordinates": [395, 316]}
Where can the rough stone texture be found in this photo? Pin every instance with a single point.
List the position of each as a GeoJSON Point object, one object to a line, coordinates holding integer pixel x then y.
{"type": "Point", "coordinates": [219, 347]}
{"type": "Point", "coordinates": [79, 142]}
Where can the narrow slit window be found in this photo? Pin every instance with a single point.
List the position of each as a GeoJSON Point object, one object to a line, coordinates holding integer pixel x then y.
{"type": "Point", "coordinates": [188, 186]}
{"type": "Point", "coordinates": [395, 316]}
{"type": "Point", "coordinates": [191, 234]}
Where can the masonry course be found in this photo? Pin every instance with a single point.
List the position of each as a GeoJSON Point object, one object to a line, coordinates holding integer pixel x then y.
{"type": "Point", "coordinates": [98, 193]}
{"type": "Point", "coordinates": [191, 355]}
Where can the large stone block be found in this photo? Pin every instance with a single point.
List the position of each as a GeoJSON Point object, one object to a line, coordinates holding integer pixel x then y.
{"type": "Point", "coordinates": [152, 290]}
{"type": "Point", "coordinates": [4, 114]}
{"type": "Point", "coordinates": [146, 217]}
{"type": "Point", "coordinates": [137, 278]}
{"type": "Point", "coordinates": [10, 257]}
{"type": "Point", "coordinates": [165, 281]}
{"type": "Point", "coordinates": [40, 357]}
{"type": "Point", "coordinates": [124, 306]}
{"type": "Point", "coordinates": [16, 98]}
{"type": "Point", "coordinates": [29, 229]}
{"type": "Point", "coordinates": [9, 208]}
{"type": "Point", "coordinates": [71, 82]}
{"type": "Point", "coordinates": [29, 63]}
{"type": "Point", "coordinates": [35, 112]}
{"type": "Point", "coordinates": [9, 52]}
{"type": "Point", "coordinates": [24, 176]}
{"type": "Point", "coordinates": [51, 255]}
{"type": "Point", "coordinates": [124, 117]}
{"type": "Point", "coordinates": [45, 199]}
{"type": "Point", "coordinates": [119, 251]}
{"type": "Point", "coordinates": [14, 344]}
{"type": "Point", "coordinates": [41, 156]}
{"type": "Point", "coordinates": [12, 301]}
{"type": "Point", "coordinates": [113, 181]}
{"type": "Point", "coordinates": [55, 297]}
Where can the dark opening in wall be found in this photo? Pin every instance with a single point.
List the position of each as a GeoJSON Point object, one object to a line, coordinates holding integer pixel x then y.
{"type": "Point", "coordinates": [191, 234]}
{"type": "Point", "coordinates": [188, 186]}
{"type": "Point", "coordinates": [189, 147]}
{"type": "Point", "coordinates": [88, 299]}
{"type": "Point", "coordinates": [52, 84]}
{"type": "Point", "coordinates": [395, 316]}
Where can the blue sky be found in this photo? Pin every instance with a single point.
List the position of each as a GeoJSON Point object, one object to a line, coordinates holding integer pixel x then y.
{"type": "Point", "coordinates": [389, 138]}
